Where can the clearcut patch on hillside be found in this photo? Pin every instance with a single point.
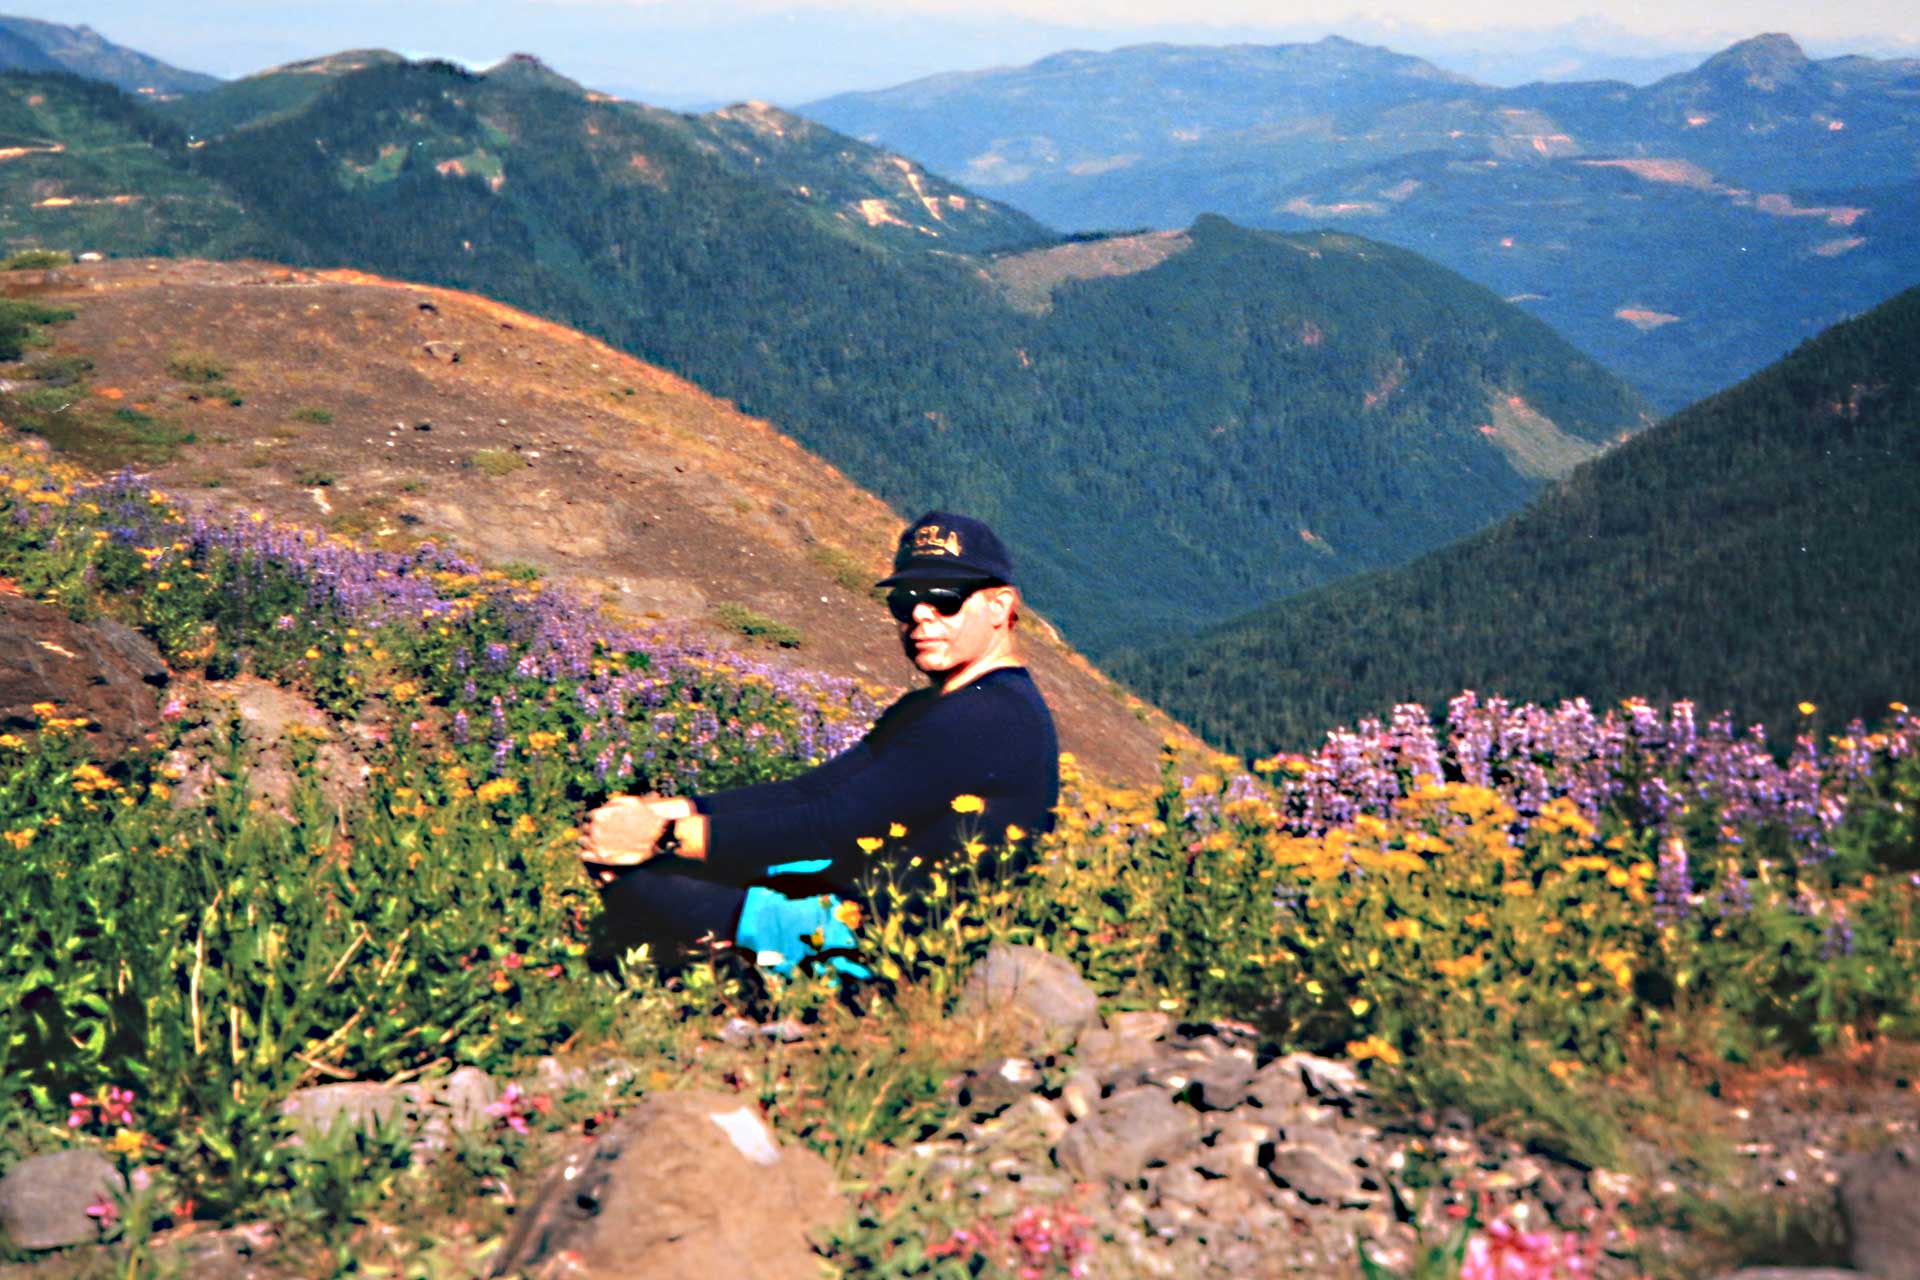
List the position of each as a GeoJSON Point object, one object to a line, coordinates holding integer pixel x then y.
{"type": "Point", "coordinates": [1533, 442]}
{"type": "Point", "coordinates": [1029, 279]}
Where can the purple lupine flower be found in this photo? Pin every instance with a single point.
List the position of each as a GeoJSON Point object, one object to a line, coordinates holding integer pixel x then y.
{"type": "Point", "coordinates": [1673, 885]}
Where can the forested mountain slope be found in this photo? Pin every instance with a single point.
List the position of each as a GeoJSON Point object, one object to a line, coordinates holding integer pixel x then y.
{"type": "Point", "coordinates": [1200, 425]}
{"type": "Point", "coordinates": [1754, 552]}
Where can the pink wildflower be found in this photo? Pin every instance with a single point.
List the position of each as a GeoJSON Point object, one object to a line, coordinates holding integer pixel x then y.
{"type": "Point", "coordinates": [104, 1211]}
{"type": "Point", "coordinates": [1505, 1252]}
{"type": "Point", "coordinates": [515, 1107]}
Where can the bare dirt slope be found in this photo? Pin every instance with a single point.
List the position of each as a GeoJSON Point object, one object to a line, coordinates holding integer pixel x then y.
{"type": "Point", "coordinates": [392, 413]}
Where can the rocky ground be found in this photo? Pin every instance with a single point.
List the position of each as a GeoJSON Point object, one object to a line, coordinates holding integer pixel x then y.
{"type": "Point", "coordinates": [1190, 1149]}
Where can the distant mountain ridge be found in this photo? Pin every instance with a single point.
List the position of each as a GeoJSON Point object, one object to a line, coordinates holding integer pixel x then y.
{"type": "Point", "coordinates": [1750, 201]}
{"type": "Point", "coordinates": [1244, 415]}
{"type": "Point", "coordinates": [28, 44]}
{"type": "Point", "coordinates": [1755, 552]}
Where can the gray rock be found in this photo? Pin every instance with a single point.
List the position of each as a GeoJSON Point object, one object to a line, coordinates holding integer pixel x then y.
{"type": "Point", "coordinates": [1794, 1273]}
{"type": "Point", "coordinates": [1278, 1085]}
{"type": "Point", "coordinates": [432, 1110]}
{"type": "Point", "coordinates": [1125, 1133]}
{"type": "Point", "coordinates": [1080, 1094]}
{"type": "Point", "coordinates": [1327, 1077]}
{"type": "Point", "coordinates": [685, 1186]}
{"type": "Point", "coordinates": [1121, 1052]}
{"type": "Point", "coordinates": [1222, 1083]}
{"type": "Point", "coordinates": [992, 1088]}
{"type": "Point", "coordinates": [1316, 1177]}
{"type": "Point", "coordinates": [44, 1199]}
{"type": "Point", "coordinates": [245, 1252]}
{"type": "Point", "coordinates": [317, 1110]}
{"type": "Point", "coordinates": [1139, 1026]}
{"type": "Point", "coordinates": [1880, 1200]}
{"type": "Point", "coordinates": [1043, 993]}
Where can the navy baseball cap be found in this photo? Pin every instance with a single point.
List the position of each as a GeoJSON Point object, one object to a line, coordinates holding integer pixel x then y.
{"type": "Point", "coordinates": [943, 547]}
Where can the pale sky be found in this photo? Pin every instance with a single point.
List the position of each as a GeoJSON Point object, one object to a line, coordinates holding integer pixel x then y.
{"type": "Point", "coordinates": [691, 52]}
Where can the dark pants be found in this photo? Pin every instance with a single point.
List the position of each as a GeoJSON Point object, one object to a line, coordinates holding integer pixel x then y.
{"type": "Point", "coordinates": [659, 905]}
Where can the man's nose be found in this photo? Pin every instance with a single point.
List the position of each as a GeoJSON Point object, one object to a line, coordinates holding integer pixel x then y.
{"type": "Point", "coordinates": [924, 612]}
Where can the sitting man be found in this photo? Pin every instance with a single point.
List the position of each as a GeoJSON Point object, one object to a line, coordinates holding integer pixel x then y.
{"type": "Point", "coordinates": [766, 866]}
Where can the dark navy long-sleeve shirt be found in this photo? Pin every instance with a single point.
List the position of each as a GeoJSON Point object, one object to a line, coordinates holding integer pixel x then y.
{"type": "Point", "coordinates": [992, 738]}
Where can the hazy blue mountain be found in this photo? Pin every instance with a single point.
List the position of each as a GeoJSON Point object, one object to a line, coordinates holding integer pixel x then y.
{"type": "Point", "coordinates": [1755, 198]}
{"type": "Point", "coordinates": [1753, 552]}
{"type": "Point", "coordinates": [27, 44]}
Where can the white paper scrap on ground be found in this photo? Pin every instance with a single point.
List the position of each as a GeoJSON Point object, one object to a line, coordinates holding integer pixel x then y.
{"type": "Point", "coordinates": [748, 1134]}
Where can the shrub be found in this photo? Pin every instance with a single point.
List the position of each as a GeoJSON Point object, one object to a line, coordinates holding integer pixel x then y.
{"type": "Point", "coordinates": [21, 323]}
{"type": "Point", "coordinates": [496, 462]}
{"type": "Point", "coordinates": [35, 259]}
{"type": "Point", "coordinates": [847, 570]}
{"type": "Point", "coordinates": [757, 626]}
{"type": "Point", "coordinates": [311, 413]}
{"type": "Point", "coordinates": [197, 369]}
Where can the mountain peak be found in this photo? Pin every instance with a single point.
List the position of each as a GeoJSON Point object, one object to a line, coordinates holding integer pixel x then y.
{"type": "Point", "coordinates": [527, 70]}
{"type": "Point", "coordinates": [1762, 61]}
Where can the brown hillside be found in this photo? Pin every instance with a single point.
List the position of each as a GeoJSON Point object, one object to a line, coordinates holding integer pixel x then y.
{"type": "Point", "coordinates": [391, 413]}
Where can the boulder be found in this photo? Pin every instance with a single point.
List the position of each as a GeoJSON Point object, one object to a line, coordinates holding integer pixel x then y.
{"type": "Point", "coordinates": [1123, 1134]}
{"type": "Point", "coordinates": [685, 1186]}
{"type": "Point", "coordinates": [1880, 1199]}
{"type": "Point", "coordinates": [1042, 993]}
{"type": "Point", "coordinates": [102, 670]}
{"type": "Point", "coordinates": [432, 1110]}
{"type": "Point", "coordinates": [1317, 1176]}
{"type": "Point", "coordinates": [44, 1199]}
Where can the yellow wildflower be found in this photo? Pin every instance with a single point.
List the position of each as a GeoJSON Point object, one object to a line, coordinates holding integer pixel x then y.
{"type": "Point", "coordinates": [848, 914]}
{"type": "Point", "coordinates": [313, 654]}
{"type": "Point", "coordinates": [12, 742]}
{"type": "Point", "coordinates": [1373, 1047]}
{"type": "Point", "coordinates": [896, 830]}
{"type": "Point", "coordinates": [969, 804]}
{"type": "Point", "coordinates": [870, 844]}
{"type": "Point", "coordinates": [127, 1142]}
{"type": "Point", "coordinates": [1808, 708]}
{"type": "Point", "coordinates": [45, 710]}
{"type": "Point", "coordinates": [19, 839]}
{"type": "Point", "coordinates": [541, 740]}
{"type": "Point", "coordinates": [497, 789]}
{"type": "Point", "coordinates": [1359, 1007]}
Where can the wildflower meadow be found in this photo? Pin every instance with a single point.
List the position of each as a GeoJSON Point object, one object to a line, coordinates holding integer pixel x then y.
{"type": "Point", "coordinates": [1513, 909]}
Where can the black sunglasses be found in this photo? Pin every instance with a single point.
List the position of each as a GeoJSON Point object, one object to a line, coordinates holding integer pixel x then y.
{"type": "Point", "coordinates": [946, 601]}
